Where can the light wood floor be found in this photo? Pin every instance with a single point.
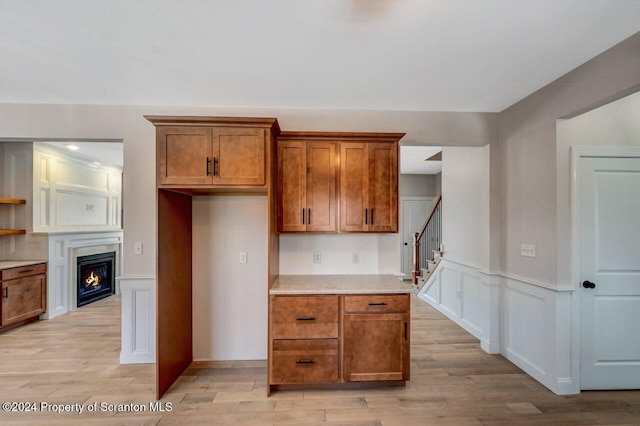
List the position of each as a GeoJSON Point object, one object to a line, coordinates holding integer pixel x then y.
{"type": "Point", "coordinates": [73, 359]}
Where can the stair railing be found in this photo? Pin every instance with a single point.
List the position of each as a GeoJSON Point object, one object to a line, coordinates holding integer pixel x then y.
{"type": "Point", "coordinates": [428, 239]}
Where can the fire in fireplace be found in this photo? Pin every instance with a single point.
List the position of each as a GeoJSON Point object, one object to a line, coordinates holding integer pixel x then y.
{"type": "Point", "coordinates": [96, 278]}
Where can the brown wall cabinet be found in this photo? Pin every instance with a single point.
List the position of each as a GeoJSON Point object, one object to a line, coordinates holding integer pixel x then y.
{"type": "Point", "coordinates": [368, 187]}
{"type": "Point", "coordinates": [366, 166]}
{"type": "Point", "coordinates": [321, 340]}
{"type": "Point", "coordinates": [23, 293]}
{"type": "Point", "coordinates": [223, 155]}
{"type": "Point", "coordinates": [307, 186]}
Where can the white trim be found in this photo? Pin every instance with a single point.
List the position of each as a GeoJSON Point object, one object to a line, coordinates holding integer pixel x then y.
{"type": "Point", "coordinates": [138, 319]}
{"type": "Point", "coordinates": [575, 154]}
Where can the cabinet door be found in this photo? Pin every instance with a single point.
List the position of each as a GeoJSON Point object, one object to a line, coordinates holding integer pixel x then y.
{"type": "Point", "coordinates": [184, 155]}
{"type": "Point", "coordinates": [23, 298]}
{"type": "Point", "coordinates": [376, 347]}
{"type": "Point", "coordinates": [354, 187]}
{"type": "Point", "coordinates": [321, 186]}
{"type": "Point", "coordinates": [292, 186]}
{"type": "Point", "coordinates": [383, 187]}
{"type": "Point", "coordinates": [239, 156]}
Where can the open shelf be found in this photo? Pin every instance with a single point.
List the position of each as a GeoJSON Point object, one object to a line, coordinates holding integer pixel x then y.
{"type": "Point", "coordinates": [12, 201]}
{"type": "Point", "coordinates": [12, 231]}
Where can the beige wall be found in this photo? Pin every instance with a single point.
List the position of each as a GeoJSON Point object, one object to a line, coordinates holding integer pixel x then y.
{"type": "Point", "coordinates": [417, 186]}
{"type": "Point", "coordinates": [128, 124]}
{"type": "Point", "coordinates": [527, 170]}
{"type": "Point", "coordinates": [465, 204]}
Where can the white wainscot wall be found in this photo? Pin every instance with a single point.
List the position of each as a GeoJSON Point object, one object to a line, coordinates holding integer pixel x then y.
{"type": "Point", "coordinates": [138, 320]}
{"type": "Point", "coordinates": [526, 322]}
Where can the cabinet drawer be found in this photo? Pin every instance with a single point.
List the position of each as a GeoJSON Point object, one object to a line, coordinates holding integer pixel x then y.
{"type": "Point", "coordinates": [305, 361]}
{"type": "Point", "coordinates": [377, 303]}
{"type": "Point", "coordinates": [304, 317]}
{"type": "Point", "coordinates": [23, 271]}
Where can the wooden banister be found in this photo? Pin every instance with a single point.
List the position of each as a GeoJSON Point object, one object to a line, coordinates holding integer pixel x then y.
{"type": "Point", "coordinates": [436, 203]}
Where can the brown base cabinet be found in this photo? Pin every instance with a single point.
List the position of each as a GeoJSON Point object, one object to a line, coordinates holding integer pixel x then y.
{"type": "Point", "coordinates": [320, 341]}
{"type": "Point", "coordinates": [23, 293]}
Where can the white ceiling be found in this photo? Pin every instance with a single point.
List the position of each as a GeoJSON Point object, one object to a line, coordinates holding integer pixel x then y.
{"type": "Point", "coordinates": [427, 55]}
{"type": "Point", "coordinates": [412, 160]}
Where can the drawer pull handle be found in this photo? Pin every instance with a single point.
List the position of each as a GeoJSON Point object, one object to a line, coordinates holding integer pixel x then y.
{"type": "Point", "coordinates": [301, 361]}
{"type": "Point", "coordinates": [26, 271]}
{"type": "Point", "coordinates": [305, 319]}
{"type": "Point", "coordinates": [378, 304]}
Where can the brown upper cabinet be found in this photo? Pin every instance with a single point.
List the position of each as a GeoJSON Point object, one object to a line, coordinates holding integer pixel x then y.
{"type": "Point", "coordinates": [213, 151]}
{"type": "Point", "coordinates": [369, 187]}
{"type": "Point", "coordinates": [366, 166]}
{"type": "Point", "coordinates": [307, 186]}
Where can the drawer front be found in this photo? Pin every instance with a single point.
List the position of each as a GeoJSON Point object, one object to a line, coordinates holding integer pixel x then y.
{"type": "Point", "coordinates": [304, 317]}
{"type": "Point", "coordinates": [305, 361]}
{"type": "Point", "coordinates": [23, 271]}
{"type": "Point", "coordinates": [377, 303]}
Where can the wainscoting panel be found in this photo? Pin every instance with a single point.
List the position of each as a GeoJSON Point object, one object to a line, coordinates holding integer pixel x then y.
{"type": "Point", "coordinates": [524, 315]}
{"type": "Point", "coordinates": [471, 312]}
{"type": "Point", "coordinates": [138, 320]}
{"type": "Point", "coordinates": [528, 323]}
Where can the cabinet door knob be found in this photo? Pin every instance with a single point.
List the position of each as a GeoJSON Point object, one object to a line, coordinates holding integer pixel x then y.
{"type": "Point", "coordinates": [215, 166]}
{"type": "Point", "coordinates": [588, 284]}
{"type": "Point", "coordinates": [208, 168]}
{"type": "Point", "coordinates": [372, 216]}
{"type": "Point", "coordinates": [6, 292]}
{"type": "Point", "coordinates": [366, 216]}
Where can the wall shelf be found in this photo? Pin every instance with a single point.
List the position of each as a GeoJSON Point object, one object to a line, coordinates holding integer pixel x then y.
{"type": "Point", "coordinates": [12, 201]}
{"type": "Point", "coordinates": [12, 231]}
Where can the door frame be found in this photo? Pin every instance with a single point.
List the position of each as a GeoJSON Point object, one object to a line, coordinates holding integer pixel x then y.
{"type": "Point", "coordinates": [576, 154]}
{"type": "Point", "coordinates": [401, 219]}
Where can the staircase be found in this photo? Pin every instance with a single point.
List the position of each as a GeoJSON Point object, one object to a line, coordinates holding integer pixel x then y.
{"type": "Point", "coordinates": [427, 245]}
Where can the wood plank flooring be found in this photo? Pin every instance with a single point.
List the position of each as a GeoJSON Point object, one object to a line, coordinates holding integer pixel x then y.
{"type": "Point", "coordinates": [73, 359]}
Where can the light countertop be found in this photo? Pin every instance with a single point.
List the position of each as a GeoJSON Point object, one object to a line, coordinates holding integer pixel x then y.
{"type": "Point", "coordinates": [339, 284]}
{"type": "Point", "coordinates": [6, 264]}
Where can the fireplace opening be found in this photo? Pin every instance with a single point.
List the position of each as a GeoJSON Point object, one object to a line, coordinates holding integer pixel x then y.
{"type": "Point", "coordinates": [96, 279]}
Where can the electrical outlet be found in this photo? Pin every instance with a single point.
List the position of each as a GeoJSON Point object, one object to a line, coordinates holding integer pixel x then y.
{"type": "Point", "coordinates": [243, 257]}
{"type": "Point", "coordinates": [528, 250]}
{"type": "Point", "coordinates": [317, 258]}
{"type": "Point", "coordinates": [355, 258]}
{"type": "Point", "coordinates": [137, 248]}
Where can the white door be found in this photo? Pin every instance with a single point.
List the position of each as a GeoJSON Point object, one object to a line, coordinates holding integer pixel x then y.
{"type": "Point", "coordinates": [610, 273]}
{"type": "Point", "coordinates": [414, 213]}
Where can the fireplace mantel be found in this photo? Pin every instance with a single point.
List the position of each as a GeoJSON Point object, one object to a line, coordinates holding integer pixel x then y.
{"type": "Point", "coordinates": [64, 248]}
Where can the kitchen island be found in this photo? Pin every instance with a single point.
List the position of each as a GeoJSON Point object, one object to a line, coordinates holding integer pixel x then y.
{"type": "Point", "coordinates": [337, 331]}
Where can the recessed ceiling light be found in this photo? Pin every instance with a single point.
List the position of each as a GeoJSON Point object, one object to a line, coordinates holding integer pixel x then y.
{"type": "Point", "coordinates": [73, 147]}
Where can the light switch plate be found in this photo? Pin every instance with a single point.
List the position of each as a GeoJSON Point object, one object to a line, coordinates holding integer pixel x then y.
{"type": "Point", "coordinates": [528, 250]}
{"type": "Point", "coordinates": [355, 258]}
{"type": "Point", "coordinates": [137, 248]}
{"type": "Point", "coordinates": [317, 258]}
{"type": "Point", "coordinates": [243, 257]}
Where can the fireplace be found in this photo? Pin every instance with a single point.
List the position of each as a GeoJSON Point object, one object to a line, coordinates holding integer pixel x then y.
{"type": "Point", "coordinates": [95, 276]}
